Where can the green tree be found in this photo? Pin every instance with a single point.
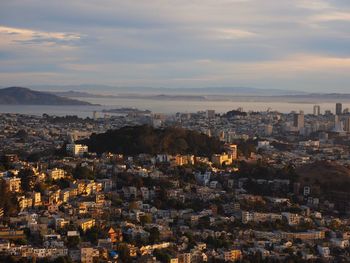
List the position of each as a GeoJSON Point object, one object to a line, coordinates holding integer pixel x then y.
{"type": "Point", "coordinates": [28, 179]}
{"type": "Point", "coordinates": [73, 242]}
{"type": "Point", "coordinates": [8, 201]}
{"type": "Point", "coordinates": [154, 235]}
{"type": "Point", "coordinates": [146, 219]}
{"type": "Point", "coordinates": [83, 173]}
{"type": "Point", "coordinates": [162, 255]}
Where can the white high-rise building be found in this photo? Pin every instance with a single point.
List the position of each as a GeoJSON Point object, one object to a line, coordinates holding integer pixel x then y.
{"type": "Point", "coordinates": [95, 115]}
{"type": "Point", "coordinates": [317, 110]}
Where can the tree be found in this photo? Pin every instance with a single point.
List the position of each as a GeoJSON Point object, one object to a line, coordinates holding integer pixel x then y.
{"type": "Point", "coordinates": [62, 183]}
{"type": "Point", "coordinates": [146, 219]}
{"type": "Point", "coordinates": [8, 200]}
{"type": "Point", "coordinates": [133, 205]}
{"type": "Point", "coordinates": [28, 178]}
{"type": "Point", "coordinates": [83, 173]}
{"type": "Point", "coordinates": [146, 139]}
{"type": "Point", "coordinates": [124, 252]}
{"type": "Point", "coordinates": [162, 255]}
{"type": "Point", "coordinates": [62, 260]}
{"type": "Point", "coordinates": [73, 242]}
{"type": "Point", "coordinates": [93, 234]}
{"type": "Point", "coordinates": [154, 236]}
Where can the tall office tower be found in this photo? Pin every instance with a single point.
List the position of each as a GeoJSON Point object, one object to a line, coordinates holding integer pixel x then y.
{"type": "Point", "coordinates": [95, 115]}
{"type": "Point", "coordinates": [338, 125]}
{"type": "Point", "coordinates": [317, 110]}
{"type": "Point", "coordinates": [338, 109]}
{"type": "Point", "coordinates": [347, 124]}
{"type": "Point", "coordinates": [336, 120]}
{"type": "Point", "coordinates": [210, 114]}
{"type": "Point", "coordinates": [268, 130]}
{"type": "Point", "coordinates": [299, 120]}
{"type": "Point", "coordinates": [315, 126]}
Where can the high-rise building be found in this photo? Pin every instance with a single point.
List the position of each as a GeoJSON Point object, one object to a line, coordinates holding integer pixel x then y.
{"type": "Point", "coordinates": [338, 109]}
{"type": "Point", "coordinates": [299, 120]}
{"type": "Point", "coordinates": [336, 120]}
{"type": "Point", "coordinates": [268, 130]}
{"type": "Point", "coordinates": [95, 115]}
{"type": "Point", "coordinates": [338, 125]}
{"type": "Point", "coordinates": [210, 114]}
{"type": "Point", "coordinates": [347, 124]}
{"type": "Point", "coordinates": [317, 110]}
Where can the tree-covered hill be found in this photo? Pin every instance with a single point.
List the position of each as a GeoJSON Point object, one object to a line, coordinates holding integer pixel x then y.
{"type": "Point", "coordinates": [145, 139]}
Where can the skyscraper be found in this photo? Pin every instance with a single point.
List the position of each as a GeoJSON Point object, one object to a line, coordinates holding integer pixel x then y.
{"type": "Point", "coordinates": [317, 110]}
{"type": "Point", "coordinates": [210, 114]}
{"type": "Point", "coordinates": [299, 120]}
{"type": "Point", "coordinates": [95, 115]}
{"type": "Point", "coordinates": [338, 109]}
{"type": "Point", "coordinates": [268, 130]}
{"type": "Point", "coordinates": [347, 124]}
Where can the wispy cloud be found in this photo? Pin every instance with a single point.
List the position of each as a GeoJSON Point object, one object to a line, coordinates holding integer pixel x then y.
{"type": "Point", "coordinates": [28, 36]}
{"type": "Point", "coordinates": [268, 43]}
{"type": "Point", "coordinates": [313, 4]}
{"type": "Point", "coordinates": [332, 16]}
{"type": "Point", "coordinates": [231, 33]}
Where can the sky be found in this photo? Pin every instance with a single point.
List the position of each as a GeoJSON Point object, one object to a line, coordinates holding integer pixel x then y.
{"type": "Point", "coordinates": [280, 44]}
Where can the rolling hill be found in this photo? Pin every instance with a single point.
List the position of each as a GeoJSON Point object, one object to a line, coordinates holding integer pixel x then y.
{"type": "Point", "coordinates": [25, 96]}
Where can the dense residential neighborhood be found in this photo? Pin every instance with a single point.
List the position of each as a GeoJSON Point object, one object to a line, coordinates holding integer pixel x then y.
{"type": "Point", "coordinates": [277, 191]}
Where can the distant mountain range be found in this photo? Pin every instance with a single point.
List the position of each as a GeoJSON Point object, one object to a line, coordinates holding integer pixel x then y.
{"type": "Point", "coordinates": [336, 96]}
{"type": "Point", "coordinates": [110, 90]}
{"type": "Point", "coordinates": [78, 94]}
{"type": "Point", "coordinates": [64, 95]}
{"type": "Point", "coordinates": [25, 96]}
{"type": "Point", "coordinates": [202, 96]}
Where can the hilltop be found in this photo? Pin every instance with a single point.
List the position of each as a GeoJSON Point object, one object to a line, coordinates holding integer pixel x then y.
{"type": "Point", "coordinates": [25, 96]}
{"type": "Point", "coordinates": [329, 176]}
{"type": "Point", "coordinates": [145, 139]}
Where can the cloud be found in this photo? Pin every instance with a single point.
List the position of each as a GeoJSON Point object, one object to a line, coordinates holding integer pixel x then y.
{"type": "Point", "coordinates": [27, 36]}
{"type": "Point", "coordinates": [231, 33]}
{"type": "Point", "coordinates": [314, 4]}
{"type": "Point", "coordinates": [176, 42]}
{"type": "Point", "coordinates": [332, 16]}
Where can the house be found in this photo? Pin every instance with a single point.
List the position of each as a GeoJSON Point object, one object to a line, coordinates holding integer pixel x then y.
{"type": "Point", "coordinates": [56, 174]}
{"type": "Point", "coordinates": [115, 235]}
{"type": "Point", "coordinates": [88, 254]}
{"type": "Point", "coordinates": [13, 184]}
{"type": "Point", "coordinates": [232, 255]}
{"type": "Point", "coordinates": [86, 223]}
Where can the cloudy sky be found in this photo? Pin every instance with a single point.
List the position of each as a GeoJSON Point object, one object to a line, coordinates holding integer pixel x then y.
{"type": "Point", "coordinates": [282, 44]}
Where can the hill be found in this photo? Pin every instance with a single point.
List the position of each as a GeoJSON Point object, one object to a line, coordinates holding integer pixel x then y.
{"type": "Point", "coordinates": [330, 180]}
{"type": "Point", "coordinates": [146, 139]}
{"type": "Point", "coordinates": [324, 173]}
{"type": "Point", "coordinates": [215, 90]}
{"type": "Point", "coordinates": [79, 94]}
{"type": "Point", "coordinates": [24, 96]}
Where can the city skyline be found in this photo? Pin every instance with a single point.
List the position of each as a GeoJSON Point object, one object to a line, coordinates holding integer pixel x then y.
{"type": "Point", "coordinates": [291, 45]}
